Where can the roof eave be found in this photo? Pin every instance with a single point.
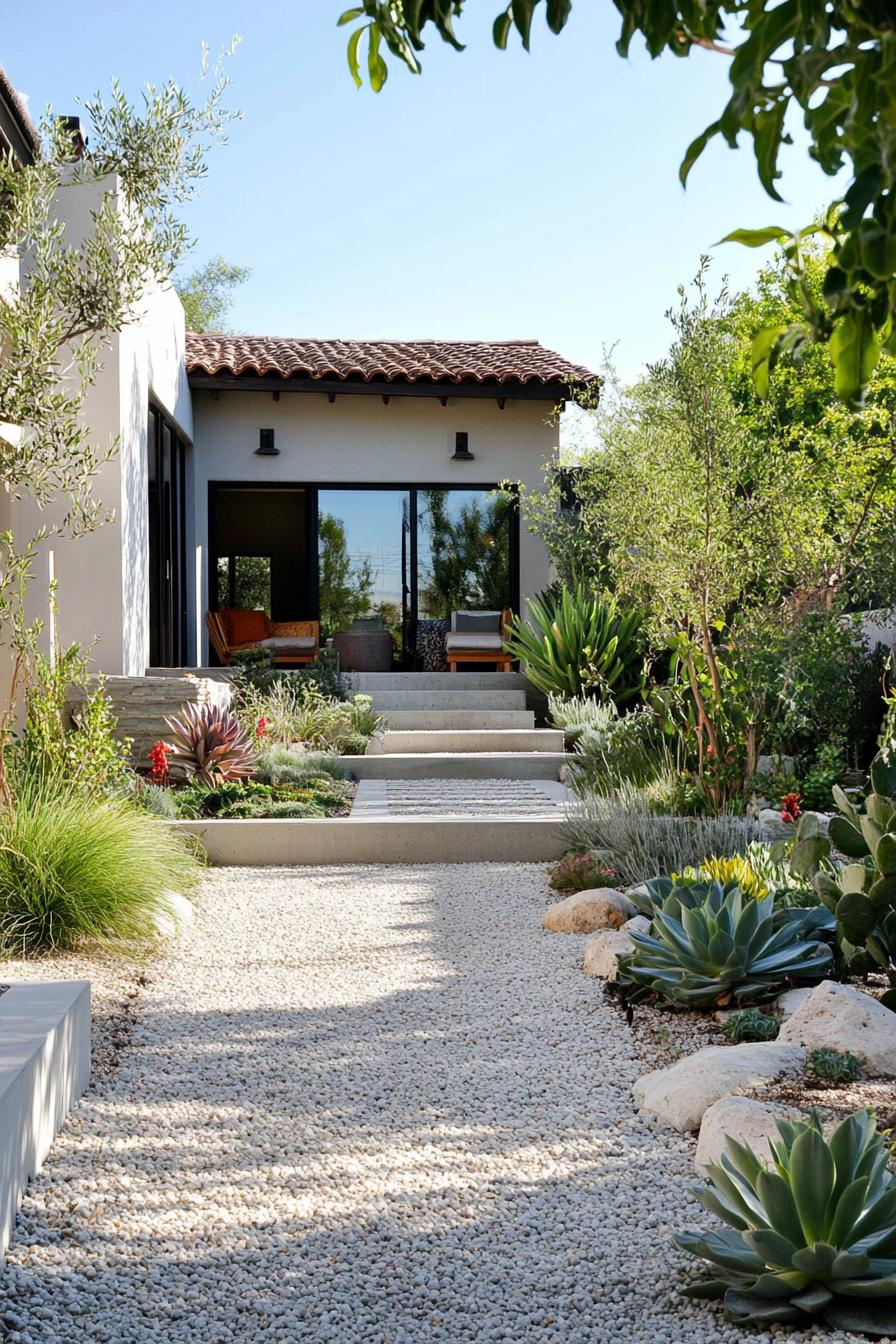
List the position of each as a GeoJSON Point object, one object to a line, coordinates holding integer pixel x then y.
{"type": "Point", "coordinates": [511, 390]}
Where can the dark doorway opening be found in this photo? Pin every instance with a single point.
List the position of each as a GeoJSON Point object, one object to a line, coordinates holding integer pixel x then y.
{"type": "Point", "coordinates": [167, 543]}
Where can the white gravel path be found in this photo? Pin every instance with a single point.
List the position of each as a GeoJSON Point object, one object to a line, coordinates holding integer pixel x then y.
{"type": "Point", "coordinates": [369, 1106]}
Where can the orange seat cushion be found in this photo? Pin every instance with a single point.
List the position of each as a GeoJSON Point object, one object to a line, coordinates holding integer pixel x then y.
{"type": "Point", "coordinates": [244, 627]}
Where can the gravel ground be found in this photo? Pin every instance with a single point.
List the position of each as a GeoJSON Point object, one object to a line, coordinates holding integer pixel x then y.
{"type": "Point", "coordinates": [369, 1106]}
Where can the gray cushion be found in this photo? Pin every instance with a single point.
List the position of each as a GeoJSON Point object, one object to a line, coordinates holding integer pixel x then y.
{"type": "Point", "coordinates": [475, 642]}
{"type": "Point", "coordinates": [482, 622]}
{"type": "Point", "coordinates": [289, 643]}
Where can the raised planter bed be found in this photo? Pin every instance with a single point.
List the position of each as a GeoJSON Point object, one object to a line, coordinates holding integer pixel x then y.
{"type": "Point", "coordinates": [44, 1069]}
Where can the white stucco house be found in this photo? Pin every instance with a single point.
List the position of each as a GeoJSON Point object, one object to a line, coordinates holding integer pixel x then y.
{"type": "Point", "coordinates": [271, 472]}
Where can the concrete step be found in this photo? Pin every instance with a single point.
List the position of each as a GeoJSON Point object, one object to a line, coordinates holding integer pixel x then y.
{"type": "Point", "coordinates": [388, 840]}
{"type": "Point", "coordinates": [435, 699]}
{"type": "Point", "coordinates": [441, 742]}
{"type": "Point", "coordinates": [467, 720]}
{"type": "Point", "coordinates": [458, 765]}
{"type": "Point", "coordinates": [369, 683]}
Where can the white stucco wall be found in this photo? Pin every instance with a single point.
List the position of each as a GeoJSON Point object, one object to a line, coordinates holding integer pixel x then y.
{"type": "Point", "coordinates": [357, 440]}
{"type": "Point", "coordinates": [101, 577]}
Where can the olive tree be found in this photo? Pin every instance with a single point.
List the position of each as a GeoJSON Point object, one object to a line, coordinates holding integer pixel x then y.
{"type": "Point", "coordinates": [145, 160]}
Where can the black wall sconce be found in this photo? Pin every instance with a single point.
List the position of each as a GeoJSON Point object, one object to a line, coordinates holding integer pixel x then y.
{"type": "Point", "coordinates": [462, 447]}
{"type": "Point", "coordinates": [266, 446]}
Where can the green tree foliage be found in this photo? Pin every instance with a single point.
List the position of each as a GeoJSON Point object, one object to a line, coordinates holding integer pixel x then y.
{"type": "Point", "coordinates": [834, 61]}
{"type": "Point", "coordinates": [743, 528]}
{"type": "Point", "coordinates": [207, 293]}
{"type": "Point", "coordinates": [345, 586]}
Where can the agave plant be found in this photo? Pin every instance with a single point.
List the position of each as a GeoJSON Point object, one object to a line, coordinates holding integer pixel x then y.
{"type": "Point", "coordinates": [863, 895]}
{"type": "Point", "coordinates": [209, 744]}
{"type": "Point", "coordinates": [580, 642]}
{"type": "Point", "coordinates": [710, 944]}
{"type": "Point", "coordinates": [812, 1236]}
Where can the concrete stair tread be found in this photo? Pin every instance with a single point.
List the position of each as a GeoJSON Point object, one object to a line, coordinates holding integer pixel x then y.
{"type": "Point", "coordinates": [436, 700]}
{"type": "Point", "coordinates": [458, 765]}
{"type": "Point", "coordinates": [444, 720]}
{"type": "Point", "coordinates": [414, 741]}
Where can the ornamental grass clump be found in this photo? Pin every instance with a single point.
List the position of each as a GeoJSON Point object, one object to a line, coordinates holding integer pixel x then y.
{"type": "Point", "coordinates": [76, 870]}
{"type": "Point", "coordinates": [813, 1237]}
{"type": "Point", "coordinates": [710, 945]}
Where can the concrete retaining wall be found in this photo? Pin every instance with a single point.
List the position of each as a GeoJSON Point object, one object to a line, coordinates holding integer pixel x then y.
{"type": "Point", "coordinates": [382, 840]}
{"type": "Point", "coordinates": [44, 1069]}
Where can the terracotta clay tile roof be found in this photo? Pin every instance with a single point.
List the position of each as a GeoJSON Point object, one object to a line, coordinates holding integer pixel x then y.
{"type": "Point", "coordinates": [19, 113]}
{"type": "Point", "coordinates": [497, 362]}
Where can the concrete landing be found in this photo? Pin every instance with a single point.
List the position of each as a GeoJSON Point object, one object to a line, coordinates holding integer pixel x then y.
{"type": "Point", "coordinates": [460, 798]}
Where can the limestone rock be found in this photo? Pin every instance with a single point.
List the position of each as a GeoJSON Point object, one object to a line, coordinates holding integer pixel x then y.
{"type": "Point", "coordinates": [743, 1118]}
{"type": "Point", "coordinates": [602, 953]}
{"type": "Point", "coordinates": [787, 1004]}
{"type": "Point", "coordinates": [842, 1018]}
{"type": "Point", "coordinates": [587, 911]}
{"type": "Point", "coordinates": [682, 1093]}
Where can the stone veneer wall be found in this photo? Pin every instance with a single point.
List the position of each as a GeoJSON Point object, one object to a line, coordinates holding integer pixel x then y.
{"type": "Point", "coordinates": [141, 705]}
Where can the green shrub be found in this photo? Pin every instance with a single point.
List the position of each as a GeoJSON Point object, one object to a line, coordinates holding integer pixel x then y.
{"type": "Point", "coordinates": [300, 712]}
{"type": "Point", "coordinates": [812, 1237]}
{"type": "Point", "coordinates": [77, 870]}
{"type": "Point", "coordinates": [315, 796]}
{"type": "Point", "coordinates": [282, 765]}
{"type": "Point", "coordinates": [750, 1024]}
{"type": "Point", "coordinates": [580, 642]}
{"type": "Point", "coordinates": [709, 944]}
{"type": "Point", "coordinates": [71, 750]}
{"type": "Point", "coordinates": [580, 872]}
{"type": "Point", "coordinates": [621, 830]}
{"type": "Point", "coordinates": [155, 800]}
{"type": "Point", "coordinates": [577, 714]}
{"type": "Point", "coordinates": [834, 1066]}
{"type": "Point", "coordinates": [619, 749]}
{"type": "Point", "coordinates": [253, 672]}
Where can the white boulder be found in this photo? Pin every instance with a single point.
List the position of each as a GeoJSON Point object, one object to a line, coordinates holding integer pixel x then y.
{"type": "Point", "coordinates": [587, 911]}
{"type": "Point", "coordinates": [839, 1017]}
{"type": "Point", "coordinates": [681, 1094]}
{"type": "Point", "coordinates": [744, 1119]}
{"type": "Point", "coordinates": [787, 1004]}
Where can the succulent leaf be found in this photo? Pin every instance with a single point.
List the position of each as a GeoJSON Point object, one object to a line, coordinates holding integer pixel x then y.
{"type": "Point", "coordinates": [847, 838]}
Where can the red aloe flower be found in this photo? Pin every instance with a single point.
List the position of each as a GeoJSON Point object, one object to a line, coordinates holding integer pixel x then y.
{"type": "Point", "coordinates": [790, 807]}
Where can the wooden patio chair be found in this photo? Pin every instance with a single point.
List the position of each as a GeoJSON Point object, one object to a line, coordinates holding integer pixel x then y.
{"type": "Point", "coordinates": [234, 630]}
{"type": "Point", "coordinates": [478, 637]}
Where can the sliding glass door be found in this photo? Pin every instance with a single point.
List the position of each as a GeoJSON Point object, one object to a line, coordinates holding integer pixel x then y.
{"type": "Point", "coordinates": [336, 553]}
{"type": "Point", "coordinates": [464, 544]}
{"type": "Point", "coordinates": [364, 553]}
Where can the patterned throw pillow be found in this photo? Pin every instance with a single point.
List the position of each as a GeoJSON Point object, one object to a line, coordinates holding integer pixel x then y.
{"type": "Point", "coordinates": [431, 645]}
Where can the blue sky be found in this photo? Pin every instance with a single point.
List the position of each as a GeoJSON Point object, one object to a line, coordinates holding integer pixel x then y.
{"type": "Point", "coordinates": [497, 196]}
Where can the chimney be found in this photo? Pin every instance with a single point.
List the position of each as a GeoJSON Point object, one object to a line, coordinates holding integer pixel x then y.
{"type": "Point", "coordinates": [70, 128]}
